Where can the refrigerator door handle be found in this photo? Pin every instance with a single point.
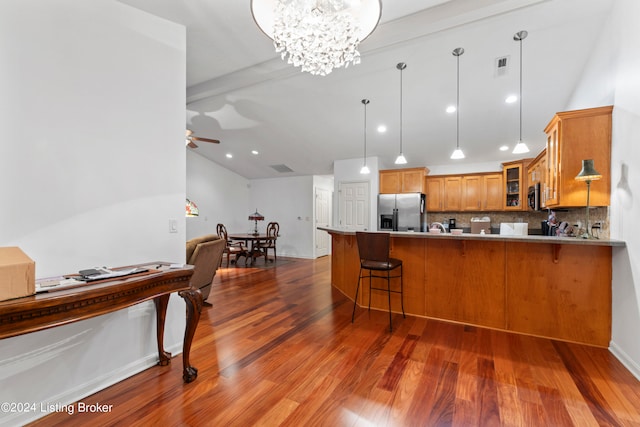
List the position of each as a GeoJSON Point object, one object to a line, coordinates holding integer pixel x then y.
{"type": "Point", "coordinates": [395, 220]}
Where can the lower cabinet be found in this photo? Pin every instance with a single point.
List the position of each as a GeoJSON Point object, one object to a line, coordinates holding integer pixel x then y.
{"type": "Point", "coordinates": [552, 290]}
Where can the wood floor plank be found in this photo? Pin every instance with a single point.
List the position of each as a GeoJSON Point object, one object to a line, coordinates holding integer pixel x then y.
{"type": "Point", "coordinates": [278, 348]}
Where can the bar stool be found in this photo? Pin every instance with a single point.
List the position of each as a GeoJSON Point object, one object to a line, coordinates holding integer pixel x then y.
{"type": "Point", "coordinates": [373, 249]}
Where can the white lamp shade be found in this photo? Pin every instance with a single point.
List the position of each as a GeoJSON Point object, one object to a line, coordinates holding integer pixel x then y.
{"type": "Point", "coordinates": [457, 154]}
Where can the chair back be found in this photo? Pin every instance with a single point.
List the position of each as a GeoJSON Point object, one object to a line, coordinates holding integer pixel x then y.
{"type": "Point", "coordinates": [373, 246]}
{"type": "Point", "coordinates": [221, 230]}
{"type": "Point", "coordinates": [273, 229]}
{"type": "Point", "coordinates": [205, 254]}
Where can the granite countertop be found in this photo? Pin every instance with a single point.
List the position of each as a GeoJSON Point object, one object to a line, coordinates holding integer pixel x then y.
{"type": "Point", "coordinates": [492, 237]}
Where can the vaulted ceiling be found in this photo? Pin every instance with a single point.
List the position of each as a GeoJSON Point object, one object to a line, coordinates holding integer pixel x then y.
{"type": "Point", "coordinates": [240, 92]}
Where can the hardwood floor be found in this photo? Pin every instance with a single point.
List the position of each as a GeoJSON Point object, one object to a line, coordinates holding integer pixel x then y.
{"type": "Point", "coordinates": [278, 348]}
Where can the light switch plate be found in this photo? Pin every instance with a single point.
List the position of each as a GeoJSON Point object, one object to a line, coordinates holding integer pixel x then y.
{"type": "Point", "coordinates": [173, 225]}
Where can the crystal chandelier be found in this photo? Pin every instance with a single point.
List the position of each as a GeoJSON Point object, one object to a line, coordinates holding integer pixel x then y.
{"type": "Point", "coordinates": [317, 35]}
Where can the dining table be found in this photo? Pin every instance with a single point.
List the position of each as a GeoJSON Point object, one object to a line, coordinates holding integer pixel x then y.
{"type": "Point", "coordinates": [252, 241]}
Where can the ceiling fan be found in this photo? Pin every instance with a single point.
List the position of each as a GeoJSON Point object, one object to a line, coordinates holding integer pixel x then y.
{"type": "Point", "coordinates": [190, 138]}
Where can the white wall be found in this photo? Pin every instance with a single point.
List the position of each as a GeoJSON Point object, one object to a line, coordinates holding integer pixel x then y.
{"type": "Point", "coordinates": [625, 184]}
{"type": "Point", "coordinates": [611, 77]}
{"type": "Point", "coordinates": [222, 197]}
{"type": "Point", "coordinates": [289, 201]}
{"type": "Point", "coordinates": [92, 167]}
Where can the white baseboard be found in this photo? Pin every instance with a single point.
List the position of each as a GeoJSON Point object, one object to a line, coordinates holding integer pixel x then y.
{"type": "Point", "coordinates": [76, 394]}
{"type": "Point", "coordinates": [628, 362]}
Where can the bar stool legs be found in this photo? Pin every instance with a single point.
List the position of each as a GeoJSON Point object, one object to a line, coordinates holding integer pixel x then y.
{"type": "Point", "coordinates": [388, 277]}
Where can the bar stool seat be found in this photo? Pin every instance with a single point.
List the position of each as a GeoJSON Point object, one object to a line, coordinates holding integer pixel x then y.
{"type": "Point", "coordinates": [373, 249]}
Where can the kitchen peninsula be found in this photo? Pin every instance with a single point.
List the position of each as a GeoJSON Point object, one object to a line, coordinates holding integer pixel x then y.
{"type": "Point", "coordinates": [554, 287]}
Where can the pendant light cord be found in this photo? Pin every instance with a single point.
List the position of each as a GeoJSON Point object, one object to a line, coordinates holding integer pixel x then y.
{"type": "Point", "coordinates": [458, 103]}
{"type": "Point", "coordinates": [365, 102]}
{"type": "Point", "coordinates": [521, 37]}
{"type": "Point", "coordinates": [401, 110]}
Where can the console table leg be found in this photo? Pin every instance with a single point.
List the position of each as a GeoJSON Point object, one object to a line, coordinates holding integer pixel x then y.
{"type": "Point", "coordinates": [193, 301]}
{"type": "Point", "coordinates": [161, 303]}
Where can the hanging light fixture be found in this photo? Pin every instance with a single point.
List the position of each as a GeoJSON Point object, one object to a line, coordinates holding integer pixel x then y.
{"type": "Point", "coordinates": [520, 147]}
{"type": "Point", "coordinates": [457, 153]}
{"type": "Point", "coordinates": [365, 169]}
{"type": "Point", "coordinates": [317, 35]}
{"type": "Point", "coordinates": [400, 160]}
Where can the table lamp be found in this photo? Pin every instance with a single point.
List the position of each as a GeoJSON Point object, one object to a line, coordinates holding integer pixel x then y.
{"type": "Point", "coordinates": [256, 217]}
{"type": "Point", "coordinates": [191, 208]}
{"type": "Point", "coordinates": [588, 174]}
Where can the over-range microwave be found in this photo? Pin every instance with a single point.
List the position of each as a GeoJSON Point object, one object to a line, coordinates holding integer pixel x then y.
{"type": "Point", "coordinates": [534, 197]}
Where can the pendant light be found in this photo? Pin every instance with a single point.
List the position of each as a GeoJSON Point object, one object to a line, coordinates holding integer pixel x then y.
{"type": "Point", "coordinates": [458, 154]}
{"type": "Point", "coordinates": [365, 168]}
{"type": "Point", "coordinates": [520, 147]}
{"type": "Point", "coordinates": [400, 160]}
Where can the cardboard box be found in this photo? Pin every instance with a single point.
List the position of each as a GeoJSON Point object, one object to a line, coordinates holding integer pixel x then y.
{"type": "Point", "coordinates": [478, 226]}
{"type": "Point", "coordinates": [17, 274]}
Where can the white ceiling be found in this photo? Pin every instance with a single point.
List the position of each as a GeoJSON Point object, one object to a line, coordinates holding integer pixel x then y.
{"type": "Point", "coordinates": [240, 92]}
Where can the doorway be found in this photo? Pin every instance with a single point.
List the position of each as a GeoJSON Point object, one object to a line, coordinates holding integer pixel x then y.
{"type": "Point", "coordinates": [353, 205]}
{"type": "Point", "coordinates": [323, 208]}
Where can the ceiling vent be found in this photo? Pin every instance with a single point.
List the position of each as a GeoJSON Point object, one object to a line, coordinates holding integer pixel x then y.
{"type": "Point", "coordinates": [502, 65]}
{"type": "Point", "coordinates": [282, 168]}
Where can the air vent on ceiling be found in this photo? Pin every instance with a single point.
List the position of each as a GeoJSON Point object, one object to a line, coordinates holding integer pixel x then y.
{"type": "Point", "coordinates": [282, 168]}
{"type": "Point", "coordinates": [502, 65]}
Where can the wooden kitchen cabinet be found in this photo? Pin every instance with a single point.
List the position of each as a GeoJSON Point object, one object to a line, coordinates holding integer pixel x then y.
{"type": "Point", "coordinates": [492, 190]}
{"type": "Point", "coordinates": [514, 185]}
{"type": "Point", "coordinates": [435, 194]}
{"type": "Point", "coordinates": [478, 192]}
{"type": "Point", "coordinates": [410, 180]}
{"type": "Point", "coordinates": [472, 192]}
{"type": "Point", "coordinates": [452, 193]}
{"type": "Point", "coordinates": [573, 136]}
{"type": "Point", "coordinates": [537, 173]}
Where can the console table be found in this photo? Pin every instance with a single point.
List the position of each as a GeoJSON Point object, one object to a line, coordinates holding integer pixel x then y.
{"type": "Point", "coordinates": [59, 307]}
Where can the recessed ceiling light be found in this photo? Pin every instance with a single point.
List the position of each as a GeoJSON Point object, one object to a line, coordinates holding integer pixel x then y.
{"type": "Point", "coordinates": [255, 152]}
{"type": "Point", "coordinates": [229, 155]}
{"type": "Point", "coordinates": [382, 129]}
{"type": "Point", "coordinates": [451, 109]}
{"type": "Point", "coordinates": [511, 99]}
{"type": "Point", "coordinates": [504, 148]}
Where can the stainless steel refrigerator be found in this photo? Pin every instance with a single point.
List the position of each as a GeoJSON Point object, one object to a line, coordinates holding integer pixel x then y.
{"type": "Point", "coordinates": [402, 212]}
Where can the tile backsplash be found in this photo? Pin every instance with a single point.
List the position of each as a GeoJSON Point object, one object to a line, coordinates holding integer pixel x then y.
{"type": "Point", "coordinates": [574, 216]}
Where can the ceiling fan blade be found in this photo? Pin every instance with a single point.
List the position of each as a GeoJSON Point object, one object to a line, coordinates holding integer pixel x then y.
{"type": "Point", "coordinates": [197, 138]}
{"type": "Point", "coordinates": [191, 144]}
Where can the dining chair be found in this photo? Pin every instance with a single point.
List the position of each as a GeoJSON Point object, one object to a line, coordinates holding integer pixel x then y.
{"type": "Point", "coordinates": [373, 249]}
{"type": "Point", "coordinates": [273, 230]}
{"type": "Point", "coordinates": [232, 248]}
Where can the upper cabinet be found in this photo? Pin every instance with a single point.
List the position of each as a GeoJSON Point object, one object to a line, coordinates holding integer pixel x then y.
{"type": "Point", "coordinates": [477, 192]}
{"type": "Point", "coordinates": [514, 185]}
{"type": "Point", "coordinates": [410, 180]}
{"type": "Point", "coordinates": [492, 190]}
{"type": "Point", "coordinates": [435, 194]}
{"type": "Point", "coordinates": [537, 173]}
{"type": "Point", "coordinates": [574, 136]}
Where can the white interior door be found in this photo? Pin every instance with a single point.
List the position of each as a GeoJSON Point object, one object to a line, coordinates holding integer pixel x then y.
{"type": "Point", "coordinates": [323, 219]}
{"type": "Point", "coordinates": [353, 208]}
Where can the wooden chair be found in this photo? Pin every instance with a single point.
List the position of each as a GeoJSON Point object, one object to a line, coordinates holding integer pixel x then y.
{"type": "Point", "coordinates": [232, 248]}
{"type": "Point", "coordinates": [373, 249]}
{"type": "Point", "coordinates": [273, 230]}
{"type": "Point", "coordinates": [205, 254]}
